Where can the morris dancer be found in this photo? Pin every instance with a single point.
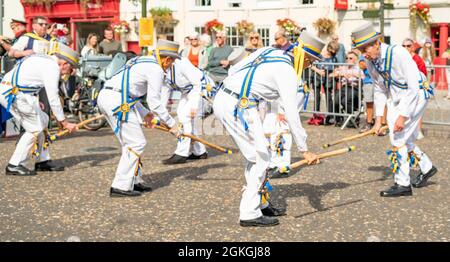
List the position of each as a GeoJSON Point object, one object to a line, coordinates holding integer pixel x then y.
{"type": "Point", "coordinates": [400, 85]}
{"type": "Point", "coordinates": [120, 102]}
{"type": "Point", "coordinates": [266, 74]}
{"type": "Point", "coordinates": [18, 94]}
{"type": "Point", "coordinates": [184, 77]}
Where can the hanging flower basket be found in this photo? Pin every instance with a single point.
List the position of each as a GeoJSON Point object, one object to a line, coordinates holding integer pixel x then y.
{"type": "Point", "coordinates": [290, 26]}
{"type": "Point", "coordinates": [214, 26]}
{"type": "Point", "coordinates": [121, 27]}
{"type": "Point", "coordinates": [244, 27]}
{"type": "Point", "coordinates": [163, 19]}
{"type": "Point", "coordinates": [421, 11]}
{"type": "Point", "coordinates": [325, 26]}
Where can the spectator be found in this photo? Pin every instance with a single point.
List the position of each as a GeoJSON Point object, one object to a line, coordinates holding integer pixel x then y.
{"type": "Point", "coordinates": [368, 95]}
{"type": "Point", "coordinates": [205, 41]}
{"type": "Point", "coordinates": [324, 76]}
{"type": "Point", "coordinates": [186, 44]}
{"type": "Point", "coordinates": [446, 55]}
{"type": "Point", "coordinates": [350, 77]}
{"type": "Point", "coordinates": [281, 40]}
{"type": "Point", "coordinates": [195, 52]}
{"type": "Point", "coordinates": [109, 44]}
{"type": "Point", "coordinates": [218, 63]}
{"type": "Point", "coordinates": [254, 42]}
{"type": "Point", "coordinates": [409, 45]}
{"type": "Point", "coordinates": [30, 43]}
{"type": "Point", "coordinates": [340, 55]}
{"type": "Point", "coordinates": [91, 47]}
{"type": "Point", "coordinates": [19, 28]}
{"type": "Point", "coordinates": [427, 52]}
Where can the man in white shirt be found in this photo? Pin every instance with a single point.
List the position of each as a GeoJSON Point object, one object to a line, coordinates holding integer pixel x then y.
{"type": "Point", "coordinates": [400, 85]}
{"type": "Point", "coordinates": [18, 91]}
{"type": "Point", "coordinates": [184, 77]}
{"type": "Point", "coordinates": [266, 74]}
{"type": "Point", "coordinates": [120, 102]}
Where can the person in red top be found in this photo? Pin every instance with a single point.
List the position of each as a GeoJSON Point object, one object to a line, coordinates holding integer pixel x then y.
{"type": "Point", "coordinates": [409, 45]}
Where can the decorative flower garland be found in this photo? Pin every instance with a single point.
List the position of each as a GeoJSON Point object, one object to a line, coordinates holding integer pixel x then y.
{"type": "Point", "coordinates": [121, 27]}
{"type": "Point", "coordinates": [290, 26]}
{"type": "Point", "coordinates": [421, 10]}
{"type": "Point", "coordinates": [214, 26]}
{"type": "Point", "coordinates": [244, 27]}
{"type": "Point", "coordinates": [325, 26]}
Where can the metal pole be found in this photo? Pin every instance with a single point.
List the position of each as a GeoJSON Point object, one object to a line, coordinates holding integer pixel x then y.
{"type": "Point", "coordinates": [382, 17]}
{"type": "Point", "coordinates": [144, 49]}
{"type": "Point", "coordinates": [1, 17]}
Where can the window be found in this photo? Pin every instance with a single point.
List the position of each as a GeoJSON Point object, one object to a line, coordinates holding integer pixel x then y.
{"type": "Point", "coordinates": [202, 2]}
{"type": "Point", "coordinates": [199, 29]}
{"type": "Point", "coordinates": [235, 3]}
{"type": "Point", "coordinates": [307, 2]}
{"type": "Point", "coordinates": [233, 37]}
{"type": "Point", "coordinates": [265, 35]}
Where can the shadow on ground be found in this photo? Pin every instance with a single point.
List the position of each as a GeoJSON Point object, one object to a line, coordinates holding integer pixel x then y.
{"type": "Point", "coordinates": [163, 179]}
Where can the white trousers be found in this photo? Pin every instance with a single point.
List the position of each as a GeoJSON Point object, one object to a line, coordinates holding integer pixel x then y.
{"type": "Point", "coordinates": [405, 140]}
{"type": "Point", "coordinates": [26, 110]}
{"type": "Point", "coordinates": [189, 126]}
{"type": "Point", "coordinates": [252, 144]}
{"type": "Point", "coordinates": [131, 138]}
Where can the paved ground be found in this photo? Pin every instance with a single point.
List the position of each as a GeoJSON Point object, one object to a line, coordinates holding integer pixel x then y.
{"type": "Point", "coordinates": [199, 201]}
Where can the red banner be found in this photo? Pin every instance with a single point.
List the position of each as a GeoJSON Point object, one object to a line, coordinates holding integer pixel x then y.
{"type": "Point", "coordinates": [341, 4]}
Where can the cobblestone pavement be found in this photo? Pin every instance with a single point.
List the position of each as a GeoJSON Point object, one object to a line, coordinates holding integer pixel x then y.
{"type": "Point", "coordinates": [337, 200]}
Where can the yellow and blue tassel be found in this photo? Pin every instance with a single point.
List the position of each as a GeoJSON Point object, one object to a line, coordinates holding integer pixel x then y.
{"type": "Point", "coordinates": [413, 159]}
{"type": "Point", "coordinates": [395, 159]}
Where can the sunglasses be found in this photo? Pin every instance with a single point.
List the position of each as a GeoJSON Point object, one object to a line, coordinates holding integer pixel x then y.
{"type": "Point", "coordinates": [406, 45]}
{"type": "Point", "coordinates": [42, 24]}
{"type": "Point", "coordinates": [254, 37]}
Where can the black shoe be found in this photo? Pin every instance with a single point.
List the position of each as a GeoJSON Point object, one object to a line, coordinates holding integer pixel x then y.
{"type": "Point", "coordinates": [194, 157]}
{"type": "Point", "coordinates": [396, 191]}
{"type": "Point", "coordinates": [261, 221]}
{"type": "Point", "coordinates": [48, 166]}
{"type": "Point", "coordinates": [142, 187]}
{"type": "Point", "coordinates": [275, 173]}
{"type": "Point", "coordinates": [421, 179]}
{"type": "Point", "coordinates": [19, 171]}
{"type": "Point", "coordinates": [175, 159]}
{"type": "Point", "coordinates": [114, 192]}
{"type": "Point", "coordinates": [271, 211]}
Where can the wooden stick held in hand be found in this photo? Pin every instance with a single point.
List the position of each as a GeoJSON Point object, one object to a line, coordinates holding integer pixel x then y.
{"type": "Point", "coordinates": [351, 138]}
{"type": "Point", "coordinates": [320, 156]}
{"type": "Point", "coordinates": [163, 127]}
{"type": "Point", "coordinates": [79, 125]}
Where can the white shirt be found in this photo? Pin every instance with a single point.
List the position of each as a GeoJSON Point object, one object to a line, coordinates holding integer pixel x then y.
{"type": "Point", "coordinates": [404, 70]}
{"type": "Point", "coordinates": [39, 46]}
{"type": "Point", "coordinates": [41, 71]}
{"type": "Point", "coordinates": [184, 77]}
{"type": "Point", "coordinates": [145, 79]}
{"type": "Point", "coordinates": [270, 82]}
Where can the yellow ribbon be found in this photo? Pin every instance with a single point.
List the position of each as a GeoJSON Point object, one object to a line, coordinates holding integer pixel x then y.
{"type": "Point", "coordinates": [299, 59]}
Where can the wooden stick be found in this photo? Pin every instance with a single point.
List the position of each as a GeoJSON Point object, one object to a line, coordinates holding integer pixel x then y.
{"type": "Point", "coordinates": [207, 98]}
{"type": "Point", "coordinates": [350, 138]}
{"type": "Point", "coordinates": [320, 156]}
{"type": "Point", "coordinates": [79, 125]}
{"type": "Point", "coordinates": [163, 127]}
